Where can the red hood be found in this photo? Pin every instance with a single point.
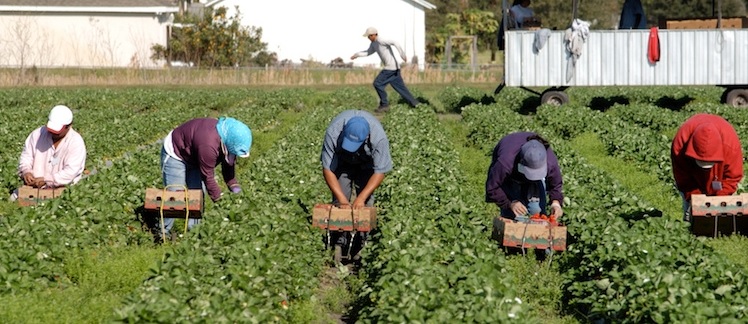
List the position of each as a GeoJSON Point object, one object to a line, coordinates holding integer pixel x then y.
{"type": "Point", "coordinates": [705, 144]}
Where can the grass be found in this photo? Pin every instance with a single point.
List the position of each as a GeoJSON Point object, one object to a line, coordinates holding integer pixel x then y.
{"type": "Point", "coordinates": [540, 286]}
{"type": "Point", "coordinates": [102, 277]}
{"type": "Point", "coordinates": [646, 186]}
{"type": "Point", "coordinates": [227, 77]}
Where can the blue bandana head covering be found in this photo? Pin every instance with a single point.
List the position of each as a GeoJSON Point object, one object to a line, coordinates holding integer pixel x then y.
{"type": "Point", "coordinates": [235, 135]}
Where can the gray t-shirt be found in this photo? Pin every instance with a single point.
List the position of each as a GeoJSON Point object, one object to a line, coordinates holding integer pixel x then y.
{"type": "Point", "coordinates": [376, 146]}
{"type": "Point", "coordinates": [383, 47]}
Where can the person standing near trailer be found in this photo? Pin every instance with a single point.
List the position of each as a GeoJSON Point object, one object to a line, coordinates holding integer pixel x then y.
{"type": "Point", "coordinates": [632, 16]}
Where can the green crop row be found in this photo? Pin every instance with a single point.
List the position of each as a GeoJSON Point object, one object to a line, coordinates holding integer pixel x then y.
{"type": "Point", "coordinates": [624, 264]}
{"type": "Point", "coordinates": [432, 260]}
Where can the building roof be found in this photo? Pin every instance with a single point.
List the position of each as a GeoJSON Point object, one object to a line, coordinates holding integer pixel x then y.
{"type": "Point", "coordinates": [158, 6]}
{"type": "Point", "coordinates": [88, 3]}
{"type": "Point", "coordinates": [425, 4]}
{"type": "Point", "coordinates": [422, 3]}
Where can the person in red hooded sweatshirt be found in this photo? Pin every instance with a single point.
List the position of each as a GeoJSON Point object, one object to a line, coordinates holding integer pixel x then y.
{"type": "Point", "coordinates": [707, 159]}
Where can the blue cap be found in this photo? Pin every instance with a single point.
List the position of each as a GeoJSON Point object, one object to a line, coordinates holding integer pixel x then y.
{"type": "Point", "coordinates": [355, 132]}
{"type": "Point", "coordinates": [235, 135]}
{"type": "Point", "coordinates": [534, 160]}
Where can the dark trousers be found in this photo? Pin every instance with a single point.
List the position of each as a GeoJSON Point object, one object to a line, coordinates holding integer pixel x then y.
{"type": "Point", "coordinates": [396, 80]}
{"type": "Point", "coordinates": [352, 177]}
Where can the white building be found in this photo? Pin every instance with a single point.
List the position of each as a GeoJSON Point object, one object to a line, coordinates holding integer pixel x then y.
{"type": "Point", "coordinates": [82, 33]}
{"type": "Point", "coordinates": [324, 30]}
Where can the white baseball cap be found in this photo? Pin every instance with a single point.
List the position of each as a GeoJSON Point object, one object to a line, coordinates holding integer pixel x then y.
{"type": "Point", "coordinates": [59, 117]}
{"type": "Point", "coordinates": [370, 31]}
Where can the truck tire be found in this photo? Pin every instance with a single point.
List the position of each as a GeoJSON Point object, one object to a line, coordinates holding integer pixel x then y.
{"type": "Point", "coordinates": [554, 97]}
{"type": "Point", "coordinates": [737, 98]}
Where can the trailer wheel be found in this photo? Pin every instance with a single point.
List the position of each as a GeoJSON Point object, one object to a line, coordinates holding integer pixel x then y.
{"type": "Point", "coordinates": [737, 98]}
{"type": "Point", "coordinates": [554, 97]}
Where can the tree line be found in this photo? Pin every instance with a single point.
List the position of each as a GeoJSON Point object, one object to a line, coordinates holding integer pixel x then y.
{"type": "Point", "coordinates": [215, 40]}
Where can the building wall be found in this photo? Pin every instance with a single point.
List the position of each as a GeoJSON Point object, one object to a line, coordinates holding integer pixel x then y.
{"type": "Point", "coordinates": [327, 29]}
{"type": "Point", "coordinates": [80, 40]}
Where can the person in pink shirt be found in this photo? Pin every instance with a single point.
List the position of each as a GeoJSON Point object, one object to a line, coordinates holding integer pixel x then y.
{"type": "Point", "coordinates": [54, 155]}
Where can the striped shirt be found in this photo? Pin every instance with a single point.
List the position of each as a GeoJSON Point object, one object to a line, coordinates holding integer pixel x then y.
{"type": "Point", "coordinates": [379, 149]}
{"type": "Point", "coordinates": [383, 47]}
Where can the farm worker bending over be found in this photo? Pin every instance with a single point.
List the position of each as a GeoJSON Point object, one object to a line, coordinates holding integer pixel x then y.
{"type": "Point", "coordinates": [707, 158]}
{"type": "Point", "coordinates": [54, 155]}
{"type": "Point", "coordinates": [390, 74]}
{"type": "Point", "coordinates": [193, 150]}
{"type": "Point", "coordinates": [355, 152]}
{"type": "Point", "coordinates": [523, 170]}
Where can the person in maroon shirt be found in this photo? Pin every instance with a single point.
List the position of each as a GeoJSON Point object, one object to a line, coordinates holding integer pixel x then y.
{"type": "Point", "coordinates": [193, 150]}
{"type": "Point", "coordinates": [706, 158]}
{"type": "Point", "coordinates": [524, 173]}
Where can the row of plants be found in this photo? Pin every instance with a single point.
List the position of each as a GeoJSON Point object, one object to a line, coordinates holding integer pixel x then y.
{"type": "Point", "coordinates": [103, 209]}
{"type": "Point", "coordinates": [623, 263]}
{"type": "Point", "coordinates": [432, 259]}
{"type": "Point", "coordinates": [254, 258]}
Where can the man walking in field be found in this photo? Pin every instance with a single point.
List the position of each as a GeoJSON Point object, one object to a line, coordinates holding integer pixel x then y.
{"type": "Point", "coordinates": [390, 74]}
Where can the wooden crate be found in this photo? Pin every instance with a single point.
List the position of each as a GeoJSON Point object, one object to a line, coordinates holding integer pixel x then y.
{"type": "Point", "coordinates": [327, 216]}
{"type": "Point", "coordinates": [174, 203]}
{"type": "Point", "coordinates": [725, 225]}
{"type": "Point", "coordinates": [703, 23]}
{"type": "Point", "coordinates": [536, 235]}
{"type": "Point", "coordinates": [29, 196]}
{"type": "Point", "coordinates": [703, 205]}
{"type": "Point", "coordinates": [714, 216]}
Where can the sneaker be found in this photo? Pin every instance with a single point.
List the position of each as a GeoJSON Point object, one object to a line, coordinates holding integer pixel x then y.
{"type": "Point", "coordinates": [382, 109]}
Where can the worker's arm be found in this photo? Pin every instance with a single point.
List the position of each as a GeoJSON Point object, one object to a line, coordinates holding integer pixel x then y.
{"type": "Point", "coordinates": [332, 182]}
{"type": "Point", "coordinates": [374, 182]}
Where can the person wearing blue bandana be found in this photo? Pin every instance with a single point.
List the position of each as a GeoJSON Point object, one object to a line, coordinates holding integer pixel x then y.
{"type": "Point", "coordinates": [193, 150]}
{"type": "Point", "coordinates": [355, 155]}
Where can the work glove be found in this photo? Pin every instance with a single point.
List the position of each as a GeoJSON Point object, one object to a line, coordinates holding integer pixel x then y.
{"type": "Point", "coordinates": [236, 188]}
{"type": "Point", "coordinates": [556, 210]}
{"type": "Point", "coordinates": [518, 208]}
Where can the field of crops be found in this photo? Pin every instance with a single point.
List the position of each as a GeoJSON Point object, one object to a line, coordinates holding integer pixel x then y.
{"type": "Point", "coordinates": [85, 257]}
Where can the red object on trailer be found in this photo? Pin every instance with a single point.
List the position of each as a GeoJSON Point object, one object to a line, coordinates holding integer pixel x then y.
{"type": "Point", "coordinates": [653, 49]}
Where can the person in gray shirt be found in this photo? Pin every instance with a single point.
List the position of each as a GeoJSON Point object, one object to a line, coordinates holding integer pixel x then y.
{"type": "Point", "coordinates": [355, 154]}
{"type": "Point", "coordinates": [390, 74]}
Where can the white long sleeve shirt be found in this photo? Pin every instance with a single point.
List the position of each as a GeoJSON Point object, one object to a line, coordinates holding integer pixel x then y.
{"type": "Point", "coordinates": [58, 166]}
{"type": "Point", "coordinates": [383, 47]}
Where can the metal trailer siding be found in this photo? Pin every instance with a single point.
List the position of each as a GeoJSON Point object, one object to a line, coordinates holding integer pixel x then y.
{"type": "Point", "coordinates": [619, 58]}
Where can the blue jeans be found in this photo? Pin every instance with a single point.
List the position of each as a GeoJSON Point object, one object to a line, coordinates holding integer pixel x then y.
{"type": "Point", "coordinates": [176, 173]}
{"type": "Point", "coordinates": [396, 80]}
{"type": "Point", "coordinates": [686, 207]}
